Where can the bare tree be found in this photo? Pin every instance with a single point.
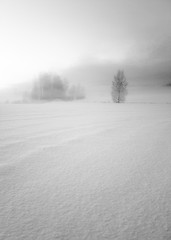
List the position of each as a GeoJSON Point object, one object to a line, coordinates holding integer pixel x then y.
{"type": "Point", "coordinates": [119, 87]}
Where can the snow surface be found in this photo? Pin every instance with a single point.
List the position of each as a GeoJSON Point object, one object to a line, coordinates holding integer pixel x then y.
{"type": "Point", "coordinates": [74, 171]}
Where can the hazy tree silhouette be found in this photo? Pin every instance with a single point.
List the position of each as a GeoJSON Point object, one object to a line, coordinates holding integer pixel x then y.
{"type": "Point", "coordinates": [51, 86]}
{"type": "Point", "coordinates": [76, 92]}
{"type": "Point", "coordinates": [119, 87]}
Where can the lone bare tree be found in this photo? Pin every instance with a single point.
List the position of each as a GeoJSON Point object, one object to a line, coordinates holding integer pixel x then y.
{"type": "Point", "coordinates": [119, 87]}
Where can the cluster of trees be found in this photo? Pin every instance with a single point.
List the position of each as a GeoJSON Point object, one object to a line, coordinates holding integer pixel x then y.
{"type": "Point", "coordinates": [52, 87]}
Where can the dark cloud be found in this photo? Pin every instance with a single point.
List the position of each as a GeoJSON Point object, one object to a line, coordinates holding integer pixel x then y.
{"type": "Point", "coordinates": [162, 51]}
{"type": "Point", "coordinates": [102, 73]}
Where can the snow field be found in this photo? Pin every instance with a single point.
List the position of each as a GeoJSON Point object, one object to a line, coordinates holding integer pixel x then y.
{"type": "Point", "coordinates": [85, 171]}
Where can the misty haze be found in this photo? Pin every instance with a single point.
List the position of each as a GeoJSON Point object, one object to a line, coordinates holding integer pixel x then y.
{"type": "Point", "coordinates": [85, 120]}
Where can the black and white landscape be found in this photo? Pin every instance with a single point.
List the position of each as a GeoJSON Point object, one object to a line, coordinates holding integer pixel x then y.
{"type": "Point", "coordinates": [85, 120]}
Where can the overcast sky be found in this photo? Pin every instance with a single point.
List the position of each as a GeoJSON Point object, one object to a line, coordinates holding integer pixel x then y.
{"type": "Point", "coordinates": [53, 35]}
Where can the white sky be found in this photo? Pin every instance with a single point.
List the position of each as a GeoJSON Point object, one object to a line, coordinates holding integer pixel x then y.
{"type": "Point", "coordinates": [51, 35]}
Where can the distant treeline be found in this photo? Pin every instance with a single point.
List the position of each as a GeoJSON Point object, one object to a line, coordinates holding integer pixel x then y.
{"type": "Point", "coordinates": [52, 87]}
